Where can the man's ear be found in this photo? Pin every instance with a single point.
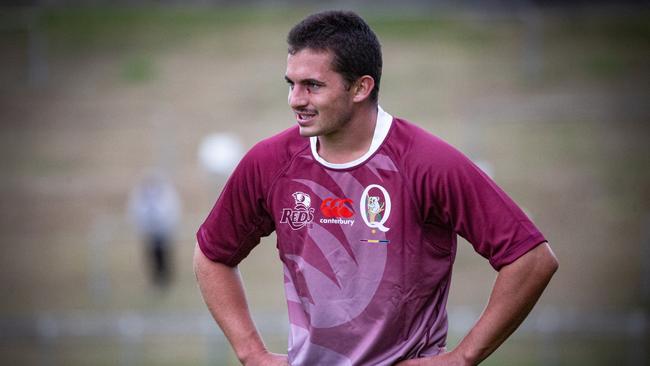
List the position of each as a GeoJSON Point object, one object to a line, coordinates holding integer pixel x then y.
{"type": "Point", "coordinates": [362, 88]}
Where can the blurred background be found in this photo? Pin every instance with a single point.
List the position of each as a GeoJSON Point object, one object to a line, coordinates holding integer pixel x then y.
{"type": "Point", "coordinates": [97, 99]}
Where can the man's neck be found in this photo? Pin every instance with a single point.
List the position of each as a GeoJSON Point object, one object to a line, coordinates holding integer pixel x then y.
{"type": "Point", "coordinates": [351, 142]}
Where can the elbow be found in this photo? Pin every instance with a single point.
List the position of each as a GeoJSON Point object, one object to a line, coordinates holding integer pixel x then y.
{"type": "Point", "coordinates": [550, 262]}
{"type": "Point", "coordinates": [197, 261]}
{"type": "Point", "coordinates": [552, 267]}
{"type": "Point", "coordinates": [555, 264]}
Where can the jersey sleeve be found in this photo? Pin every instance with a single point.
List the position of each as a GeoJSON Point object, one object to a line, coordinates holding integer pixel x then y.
{"type": "Point", "coordinates": [459, 195]}
{"type": "Point", "coordinates": [239, 218]}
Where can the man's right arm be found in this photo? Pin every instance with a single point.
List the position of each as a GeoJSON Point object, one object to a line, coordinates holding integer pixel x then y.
{"type": "Point", "coordinates": [223, 293]}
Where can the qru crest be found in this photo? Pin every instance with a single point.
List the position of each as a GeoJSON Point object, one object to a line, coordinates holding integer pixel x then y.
{"type": "Point", "coordinates": [374, 210]}
{"type": "Point", "coordinates": [301, 214]}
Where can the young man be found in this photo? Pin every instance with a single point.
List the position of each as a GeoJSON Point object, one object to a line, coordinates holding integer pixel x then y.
{"type": "Point", "coordinates": [367, 208]}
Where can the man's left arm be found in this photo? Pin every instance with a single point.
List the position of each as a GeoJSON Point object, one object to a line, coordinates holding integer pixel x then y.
{"type": "Point", "coordinates": [517, 288]}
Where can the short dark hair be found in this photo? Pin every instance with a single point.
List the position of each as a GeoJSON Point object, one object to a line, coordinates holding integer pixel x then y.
{"type": "Point", "coordinates": [355, 46]}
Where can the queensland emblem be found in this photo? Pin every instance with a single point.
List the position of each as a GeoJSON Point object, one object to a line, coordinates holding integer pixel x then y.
{"type": "Point", "coordinates": [301, 214]}
{"type": "Point", "coordinates": [375, 210]}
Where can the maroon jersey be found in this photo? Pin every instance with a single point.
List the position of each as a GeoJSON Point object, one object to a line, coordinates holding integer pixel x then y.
{"type": "Point", "coordinates": [367, 246]}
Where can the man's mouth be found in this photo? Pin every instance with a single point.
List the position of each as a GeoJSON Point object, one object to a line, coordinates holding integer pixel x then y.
{"type": "Point", "coordinates": [305, 117]}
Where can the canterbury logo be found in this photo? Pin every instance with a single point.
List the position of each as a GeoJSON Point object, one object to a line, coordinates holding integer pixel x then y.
{"type": "Point", "coordinates": [337, 208]}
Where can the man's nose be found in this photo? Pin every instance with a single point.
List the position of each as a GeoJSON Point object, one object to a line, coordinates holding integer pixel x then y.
{"type": "Point", "coordinates": [297, 97]}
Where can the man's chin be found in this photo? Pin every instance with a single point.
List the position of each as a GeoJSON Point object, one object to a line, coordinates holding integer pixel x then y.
{"type": "Point", "coordinates": [307, 131]}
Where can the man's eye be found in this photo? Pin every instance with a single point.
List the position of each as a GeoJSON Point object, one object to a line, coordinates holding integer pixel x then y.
{"type": "Point", "coordinates": [313, 86]}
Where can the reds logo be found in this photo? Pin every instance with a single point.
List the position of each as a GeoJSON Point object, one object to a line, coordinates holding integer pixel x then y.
{"type": "Point", "coordinates": [302, 213]}
{"type": "Point", "coordinates": [336, 207]}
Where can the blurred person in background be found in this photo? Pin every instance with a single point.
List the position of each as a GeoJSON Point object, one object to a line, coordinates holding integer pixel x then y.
{"type": "Point", "coordinates": [154, 208]}
{"type": "Point", "coordinates": [367, 209]}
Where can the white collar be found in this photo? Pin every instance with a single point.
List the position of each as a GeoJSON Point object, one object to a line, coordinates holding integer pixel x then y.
{"type": "Point", "coordinates": [384, 121]}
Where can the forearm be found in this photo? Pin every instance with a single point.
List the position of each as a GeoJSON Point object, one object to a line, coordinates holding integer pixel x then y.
{"type": "Point", "coordinates": [223, 293]}
{"type": "Point", "coordinates": [517, 288]}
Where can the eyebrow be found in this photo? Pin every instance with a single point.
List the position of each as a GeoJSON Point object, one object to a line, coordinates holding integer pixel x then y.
{"type": "Point", "coordinates": [304, 81]}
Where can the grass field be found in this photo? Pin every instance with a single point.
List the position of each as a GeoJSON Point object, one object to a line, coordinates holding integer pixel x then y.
{"type": "Point", "coordinates": [557, 104]}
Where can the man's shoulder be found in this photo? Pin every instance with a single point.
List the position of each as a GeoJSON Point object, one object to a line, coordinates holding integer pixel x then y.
{"type": "Point", "coordinates": [420, 147]}
{"type": "Point", "coordinates": [414, 138]}
{"type": "Point", "coordinates": [279, 148]}
{"type": "Point", "coordinates": [405, 128]}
